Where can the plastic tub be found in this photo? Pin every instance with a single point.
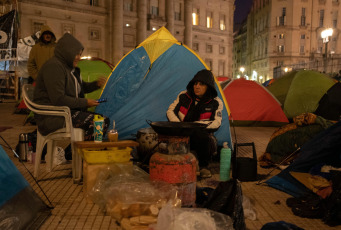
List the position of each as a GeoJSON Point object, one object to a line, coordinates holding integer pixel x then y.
{"type": "Point", "coordinates": [107, 155]}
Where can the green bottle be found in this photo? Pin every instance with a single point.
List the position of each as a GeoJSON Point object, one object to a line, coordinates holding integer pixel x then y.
{"type": "Point", "coordinates": [225, 162]}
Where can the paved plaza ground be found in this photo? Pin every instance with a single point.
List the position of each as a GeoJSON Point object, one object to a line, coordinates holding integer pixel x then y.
{"type": "Point", "coordinates": [72, 211]}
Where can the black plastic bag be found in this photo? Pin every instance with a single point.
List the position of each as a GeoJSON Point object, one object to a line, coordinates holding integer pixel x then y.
{"type": "Point", "coordinates": [227, 198]}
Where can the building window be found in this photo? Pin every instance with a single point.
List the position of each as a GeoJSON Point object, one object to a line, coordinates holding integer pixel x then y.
{"type": "Point", "coordinates": [68, 28]}
{"type": "Point", "coordinates": [280, 49]}
{"type": "Point", "coordinates": [281, 20]}
{"type": "Point", "coordinates": [209, 63]}
{"type": "Point", "coordinates": [334, 23]}
{"type": "Point", "coordinates": [128, 5]}
{"type": "Point", "coordinates": [154, 7]}
{"type": "Point", "coordinates": [221, 68]}
{"type": "Point", "coordinates": [177, 11]}
{"type": "Point", "coordinates": [209, 48]}
{"type": "Point", "coordinates": [280, 63]}
{"type": "Point", "coordinates": [281, 36]}
{"type": "Point", "coordinates": [221, 49]}
{"type": "Point", "coordinates": [195, 16]}
{"type": "Point", "coordinates": [302, 36]}
{"type": "Point", "coordinates": [303, 17]}
{"type": "Point", "coordinates": [37, 26]}
{"type": "Point", "coordinates": [222, 24]}
{"type": "Point", "coordinates": [209, 19]}
{"type": "Point", "coordinates": [301, 49]}
{"type": "Point", "coordinates": [94, 34]}
{"type": "Point", "coordinates": [321, 17]}
{"type": "Point", "coordinates": [196, 46]}
{"type": "Point", "coordinates": [93, 2]}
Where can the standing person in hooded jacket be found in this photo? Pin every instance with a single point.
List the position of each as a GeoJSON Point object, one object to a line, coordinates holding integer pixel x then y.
{"type": "Point", "coordinates": [42, 51]}
{"type": "Point", "coordinates": [200, 103]}
{"type": "Point", "coordinates": [59, 84]}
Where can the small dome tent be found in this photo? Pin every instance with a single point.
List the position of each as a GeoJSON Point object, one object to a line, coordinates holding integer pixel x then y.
{"type": "Point", "coordinates": [148, 79]}
{"type": "Point", "coordinates": [251, 104]}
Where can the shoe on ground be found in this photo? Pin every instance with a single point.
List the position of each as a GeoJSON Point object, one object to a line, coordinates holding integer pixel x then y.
{"type": "Point", "coordinates": [205, 173]}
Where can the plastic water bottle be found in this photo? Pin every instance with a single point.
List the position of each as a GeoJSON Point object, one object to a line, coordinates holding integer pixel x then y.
{"type": "Point", "coordinates": [225, 162]}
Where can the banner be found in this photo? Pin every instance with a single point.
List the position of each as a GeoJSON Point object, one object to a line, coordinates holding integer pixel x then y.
{"type": "Point", "coordinates": [8, 37]}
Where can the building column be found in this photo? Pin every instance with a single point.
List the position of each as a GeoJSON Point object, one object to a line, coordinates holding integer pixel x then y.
{"type": "Point", "coordinates": [117, 28]}
{"type": "Point", "coordinates": [162, 10]}
{"type": "Point", "coordinates": [188, 22]}
{"type": "Point", "coordinates": [141, 28]}
{"type": "Point", "coordinates": [170, 16]}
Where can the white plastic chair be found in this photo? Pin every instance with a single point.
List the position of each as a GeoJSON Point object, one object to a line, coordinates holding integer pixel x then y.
{"type": "Point", "coordinates": [73, 134]}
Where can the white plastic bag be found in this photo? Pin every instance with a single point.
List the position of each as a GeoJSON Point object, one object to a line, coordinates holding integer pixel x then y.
{"type": "Point", "coordinates": [59, 156]}
{"type": "Point", "coordinates": [171, 218]}
{"type": "Point", "coordinates": [249, 211]}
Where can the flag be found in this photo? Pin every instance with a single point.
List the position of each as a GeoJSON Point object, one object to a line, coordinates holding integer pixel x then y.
{"type": "Point", "coordinates": [8, 37]}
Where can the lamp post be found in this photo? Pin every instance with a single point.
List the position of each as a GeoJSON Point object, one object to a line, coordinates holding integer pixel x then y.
{"type": "Point", "coordinates": [242, 69]}
{"type": "Point", "coordinates": [325, 34]}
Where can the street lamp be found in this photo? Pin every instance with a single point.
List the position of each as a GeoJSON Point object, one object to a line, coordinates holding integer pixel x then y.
{"type": "Point", "coordinates": [325, 34]}
{"type": "Point", "coordinates": [242, 69]}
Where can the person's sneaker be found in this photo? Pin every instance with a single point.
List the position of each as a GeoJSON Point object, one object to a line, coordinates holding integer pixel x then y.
{"type": "Point", "coordinates": [205, 173]}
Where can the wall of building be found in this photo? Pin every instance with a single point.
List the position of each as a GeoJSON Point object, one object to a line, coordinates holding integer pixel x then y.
{"type": "Point", "coordinates": [110, 29]}
{"type": "Point", "coordinates": [274, 40]}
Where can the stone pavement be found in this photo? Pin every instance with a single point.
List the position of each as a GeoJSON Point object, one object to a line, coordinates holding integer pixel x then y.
{"type": "Point", "coordinates": [72, 211]}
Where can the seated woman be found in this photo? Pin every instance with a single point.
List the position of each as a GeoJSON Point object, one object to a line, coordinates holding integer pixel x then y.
{"type": "Point", "coordinates": [200, 103]}
{"type": "Point", "coordinates": [59, 84]}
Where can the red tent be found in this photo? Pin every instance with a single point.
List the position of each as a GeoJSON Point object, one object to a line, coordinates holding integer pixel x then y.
{"type": "Point", "coordinates": [251, 104]}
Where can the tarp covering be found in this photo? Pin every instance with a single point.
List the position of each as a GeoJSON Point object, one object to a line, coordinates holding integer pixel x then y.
{"type": "Point", "coordinates": [325, 148]}
{"type": "Point", "coordinates": [8, 37]}
{"type": "Point", "coordinates": [147, 80]}
{"type": "Point", "coordinates": [300, 92]}
{"type": "Point", "coordinates": [251, 104]}
{"type": "Point", "coordinates": [19, 204]}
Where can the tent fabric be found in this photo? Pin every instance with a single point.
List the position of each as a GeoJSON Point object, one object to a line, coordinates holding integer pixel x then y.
{"type": "Point", "coordinates": [268, 82]}
{"type": "Point", "coordinates": [251, 104]}
{"type": "Point", "coordinates": [91, 69]}
{"type": "Point", "coordinates": [330, 104]}
{"type": "Point", "coordinates": [324, 147]}
{"type": "Point", "coordinates": [147, 80]}
{"type": "Point", "coordinates": [300, 92]}
{"type": "Point", "coordinates": [19, 204]}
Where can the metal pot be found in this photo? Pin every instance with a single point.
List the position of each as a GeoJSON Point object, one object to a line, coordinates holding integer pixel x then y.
{"type": "Point", "coordinates": [148, 141]}
{"type": "Point", "coordinates": [175, 128]}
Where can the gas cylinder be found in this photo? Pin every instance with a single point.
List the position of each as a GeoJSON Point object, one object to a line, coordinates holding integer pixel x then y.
{"type": "Point", "coordinates": [174, 164]}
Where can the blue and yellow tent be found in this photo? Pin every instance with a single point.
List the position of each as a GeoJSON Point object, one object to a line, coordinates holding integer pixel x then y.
{"type": "Point", "coordinates": [20, 206]}
{"type": "Point", "coordinates": [148, 79]}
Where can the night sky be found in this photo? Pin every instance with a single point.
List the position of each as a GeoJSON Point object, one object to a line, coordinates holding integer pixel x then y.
{"type": "Point", "coordinates": [242, 9]}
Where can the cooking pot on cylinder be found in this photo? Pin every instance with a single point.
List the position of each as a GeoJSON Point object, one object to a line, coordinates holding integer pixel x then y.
{"type": "Point", "coordinates": [148, 141]}
{"type": "Point", "coordinates": [175, 128]}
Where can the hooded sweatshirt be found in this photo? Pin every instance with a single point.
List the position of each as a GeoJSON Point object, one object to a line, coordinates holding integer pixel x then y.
{"type": "Point", "coordinates": [59, 84]}
{"type": "Point", "coordinates": [207, 109]}
{"type": "Point", "coordinates": [40, 52]}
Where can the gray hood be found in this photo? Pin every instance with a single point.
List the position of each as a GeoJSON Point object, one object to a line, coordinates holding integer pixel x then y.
{"type": "Point", "coordinates": [67, 48]}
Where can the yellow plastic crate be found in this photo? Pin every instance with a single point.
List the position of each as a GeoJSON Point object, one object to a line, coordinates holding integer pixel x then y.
{"type": "Point", "coordinates": [107, 155]}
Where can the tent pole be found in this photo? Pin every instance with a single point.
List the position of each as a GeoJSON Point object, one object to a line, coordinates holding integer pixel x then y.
{"type": "Point", "coordinates": [286, 158]}
{"type": "Point", "coordinates": [17, 156]}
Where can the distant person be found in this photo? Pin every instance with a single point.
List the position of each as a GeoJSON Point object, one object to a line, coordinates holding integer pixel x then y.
{"type": "Point", "coordinates": [42, 51]}
{"type": "Point", "coordinates": [59, 84]}
{"type": "Point", "coordinates": [200, 103]}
